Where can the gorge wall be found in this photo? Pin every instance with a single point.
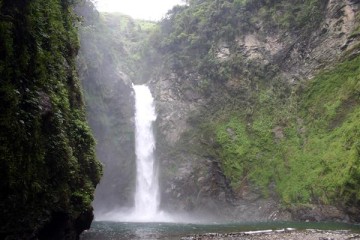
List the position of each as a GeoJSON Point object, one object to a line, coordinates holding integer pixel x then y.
{"type": "Point", "coordinates": [48, 168]}
{"type": "Point", "coordinates": [110, 108]}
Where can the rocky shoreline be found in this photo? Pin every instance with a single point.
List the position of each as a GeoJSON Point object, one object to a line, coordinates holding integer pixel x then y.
{"type": "Point", "coordinates": [309, 234]}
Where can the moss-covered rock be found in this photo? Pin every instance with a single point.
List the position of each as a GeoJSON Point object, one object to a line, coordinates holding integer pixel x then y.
{"type": "Point", "coordinates": [48, 168]}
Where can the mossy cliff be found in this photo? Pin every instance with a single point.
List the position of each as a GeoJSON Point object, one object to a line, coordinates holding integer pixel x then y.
{"type": "Point", "coordinates": [108, 95]}
{"type": "Point", "coordinates": [258, 107]}
{"type": "Point", "coordinates": [48, 168]}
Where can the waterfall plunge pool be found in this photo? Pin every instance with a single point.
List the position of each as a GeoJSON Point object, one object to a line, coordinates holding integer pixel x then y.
{"type": "Point", "coordinates": [171, 231]}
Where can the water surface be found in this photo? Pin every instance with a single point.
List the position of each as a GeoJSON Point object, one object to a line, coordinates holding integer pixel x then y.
{"type": "Point", "coordinates": [172, 231]}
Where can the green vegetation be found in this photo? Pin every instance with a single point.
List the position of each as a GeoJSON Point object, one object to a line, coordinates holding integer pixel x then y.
{"type": "Point", "coordinates": [308, 146]}
{"type": "Point", "coordinates": [190, 36]}
{"type": "Point", "coordinates": [303, 142]}
{"type": "Point", "coordinates": [330, 150]}
{"type": "Point", "coordinates": [113, 39]}
{"type": "Point", "coordinates": [47, 155]}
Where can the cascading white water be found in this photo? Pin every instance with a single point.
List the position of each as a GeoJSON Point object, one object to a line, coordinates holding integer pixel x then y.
{"type": "Point", "coordinates": [147, 187]}
{"type": "Point", "coordinates": [147, 197]}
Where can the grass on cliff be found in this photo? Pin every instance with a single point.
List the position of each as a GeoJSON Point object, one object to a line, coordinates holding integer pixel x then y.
{"type": "Point", "coordinates": [309, 146]}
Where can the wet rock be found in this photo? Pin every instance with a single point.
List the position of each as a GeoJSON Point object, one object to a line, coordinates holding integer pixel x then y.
{"type": "Point", "coordinates": [62, 226]}
{"type": "Point", "coordinates": [316, 213]}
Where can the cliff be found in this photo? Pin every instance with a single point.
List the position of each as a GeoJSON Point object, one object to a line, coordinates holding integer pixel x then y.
{"type": "Point", "coordinates": [258, 105]}
{"type": "Point", "coordinates": [48, 168]}
{"type": "Point", "coordinates": [110, 103]}
{"type": "Point", "coordinates": [109, 64]}
{"type": "Point", "coordinates": [257, 102]}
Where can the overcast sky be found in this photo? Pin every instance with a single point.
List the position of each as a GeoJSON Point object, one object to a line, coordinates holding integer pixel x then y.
{"type": "Point", "coordinates": [139, 9]}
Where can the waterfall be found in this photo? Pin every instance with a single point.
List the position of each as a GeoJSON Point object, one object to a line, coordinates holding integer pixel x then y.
{"type": "Point", "coordinates": [147, 187]}
{"type": "Point", "coordinates": [147, 197]}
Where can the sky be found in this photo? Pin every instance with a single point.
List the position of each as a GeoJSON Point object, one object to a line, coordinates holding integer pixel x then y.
{"type": "Point", "coordinates": [138, 9]}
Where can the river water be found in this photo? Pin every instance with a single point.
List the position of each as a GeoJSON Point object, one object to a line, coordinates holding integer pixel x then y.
{"type": "Point", "coordinates": [172, 231]}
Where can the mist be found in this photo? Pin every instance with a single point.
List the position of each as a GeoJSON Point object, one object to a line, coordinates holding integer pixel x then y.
{"type": "Point", "coordinates": [110, 109]}
{"type": "Point", "coordinates": [108, 71]}
{"type": "Point", "coordinates": [218, 148]}
{"type": "Point", "coordinates": [227, 116]}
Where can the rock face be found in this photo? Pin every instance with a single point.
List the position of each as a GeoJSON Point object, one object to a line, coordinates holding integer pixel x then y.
{"type": "Point", "coordinates": [191, 178]}
{"type": "Point", "coordinates": [113, 127]}
{"type": "Point", "coordinates": [183, 174]}
{"type": "Point", "coordinates": [110, 110]}
{"type": "Point", "coordinates": [174, 107]}
{"type": "Point", "coordinates": [191, 182]}
{"type": "Point", "coordinates": [61, 226]}
{"type": "Point", "coordinates": [298, 55]}
{"type": "Point", "coordinates": [319, 213]}
{"type": "Point", "coordinates": [48, 168]}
